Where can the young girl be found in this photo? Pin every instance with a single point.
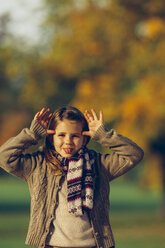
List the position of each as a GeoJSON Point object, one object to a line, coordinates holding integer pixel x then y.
{"type": "Point", "coordinates": [68, 183]}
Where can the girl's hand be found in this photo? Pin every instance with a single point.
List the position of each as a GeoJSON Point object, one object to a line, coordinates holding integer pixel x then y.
{"type": "Point", "coordinates": [43, 117]}
{"type": "Point", "coordinates": [93, 122]}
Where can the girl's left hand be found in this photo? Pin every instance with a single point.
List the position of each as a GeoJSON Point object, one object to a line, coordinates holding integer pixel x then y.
{"type": "Point", "coordinates": [93, 122]}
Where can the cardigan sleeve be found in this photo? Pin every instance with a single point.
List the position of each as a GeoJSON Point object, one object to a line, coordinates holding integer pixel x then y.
{"type": "Point", "coordinates": [124, 155]}
{"type": "Point", "coordinates": [12, 156]}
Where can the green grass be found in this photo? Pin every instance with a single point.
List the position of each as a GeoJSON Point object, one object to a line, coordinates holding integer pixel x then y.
{"type": "Point", "coordinates": [135, 215]}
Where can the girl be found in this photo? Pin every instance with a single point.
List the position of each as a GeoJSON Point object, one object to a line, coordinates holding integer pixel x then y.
{"type": "Point", "coordinates": [68, 183]}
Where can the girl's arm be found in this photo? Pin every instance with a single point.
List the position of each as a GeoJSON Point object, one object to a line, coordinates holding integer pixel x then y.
{"type": "Point", "coordinates": [12, 158]}
{"type": "Point", "coordinates": [125, 153]}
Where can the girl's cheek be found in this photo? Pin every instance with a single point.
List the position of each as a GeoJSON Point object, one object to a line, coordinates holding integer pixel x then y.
{"type": "Point", "coordinates": [81, 141]}
{"type": "Point", "coordinates": [57, 140]}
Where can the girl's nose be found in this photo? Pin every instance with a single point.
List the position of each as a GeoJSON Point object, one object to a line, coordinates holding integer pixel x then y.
{"type": "Point", "coordinates": [68, 140]}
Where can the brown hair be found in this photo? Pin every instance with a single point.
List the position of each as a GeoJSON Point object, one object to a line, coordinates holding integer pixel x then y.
{"type": "Point", "coordinates": [64, 113]}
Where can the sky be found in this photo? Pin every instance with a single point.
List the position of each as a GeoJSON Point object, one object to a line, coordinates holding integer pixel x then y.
{"type": "Point", "coordinates": [26, 16]}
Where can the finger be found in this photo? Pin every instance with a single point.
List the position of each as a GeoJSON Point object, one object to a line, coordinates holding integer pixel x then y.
{"type": "Point", "coordinates": [94, 114]}
{"type": "Point", "coordinates": [42, 111]}
{"type": "Point", "coordinates": [86, 133]}
{"type": "Point", "coordinates": [45, 114]}
{"type": "Point", "coordinates": [86, 115]}
{"type": "Point", "coordinates": [45, 118]}
{"type": "Point", "coordinates": [49, 117]}
{"type": "Point", "coordinates": [36, 117]}
{"type": "Point", "coordinates": [89, 117]}
{"type": "Point", "coordinates": [101, 117]}
{"type": "Point", "coordinates": [50, 131]}
{"type": "Point", "coordinates": [39, 114]}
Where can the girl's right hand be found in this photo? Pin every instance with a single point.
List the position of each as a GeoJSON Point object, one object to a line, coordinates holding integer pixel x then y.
{"type": "Point", "coordinates": [43, 117]}
{"type": "Point", "coordinates": [94, 122]}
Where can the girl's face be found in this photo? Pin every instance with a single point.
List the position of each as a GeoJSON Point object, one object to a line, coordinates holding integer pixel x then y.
{"type": "Point", "coordinates": [68, 138]}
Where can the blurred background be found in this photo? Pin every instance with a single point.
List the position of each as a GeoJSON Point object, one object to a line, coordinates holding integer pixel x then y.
{"type": "Point", "coordinates": [106, 54]}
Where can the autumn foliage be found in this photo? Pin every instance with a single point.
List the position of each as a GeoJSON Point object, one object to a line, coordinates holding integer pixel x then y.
{"type": "Point", "coordinates": [108, 55]}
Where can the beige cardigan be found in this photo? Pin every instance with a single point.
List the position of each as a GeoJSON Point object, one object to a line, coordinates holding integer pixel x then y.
{"type": "Point", "coordinates": [44, 187]}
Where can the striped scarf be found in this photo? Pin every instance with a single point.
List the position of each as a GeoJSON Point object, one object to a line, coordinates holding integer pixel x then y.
{"type": "Point", "coordinates": [79, 181]}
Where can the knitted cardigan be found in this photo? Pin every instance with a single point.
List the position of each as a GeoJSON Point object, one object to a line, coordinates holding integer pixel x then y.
{"type": "Point", "coordinates": [44, 186]}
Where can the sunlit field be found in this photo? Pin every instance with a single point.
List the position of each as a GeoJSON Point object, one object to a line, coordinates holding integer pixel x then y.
{"type": "Point", "coordinates": [135, 215]}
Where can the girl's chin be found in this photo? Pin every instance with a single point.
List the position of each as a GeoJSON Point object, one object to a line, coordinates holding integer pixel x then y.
{"type": "Point", "coordinates": [67, 156]}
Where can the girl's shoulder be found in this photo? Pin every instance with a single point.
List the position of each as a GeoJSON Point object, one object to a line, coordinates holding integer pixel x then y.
{"type": "Point", "coordinates": [92, 153]}
{"type": "Point", "coordinates": [38, 155]}
{"type": "Point", "coordinates": [94, 157]}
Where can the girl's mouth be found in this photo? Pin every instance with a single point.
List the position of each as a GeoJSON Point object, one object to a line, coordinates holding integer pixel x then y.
{"type": "Point", "coordinates": [68, 150]}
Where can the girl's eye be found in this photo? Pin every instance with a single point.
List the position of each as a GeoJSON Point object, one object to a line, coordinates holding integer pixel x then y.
{"type": "Point", "coordinates": [75, 136]}
{"type": "Point", "coordinates": [61, 135]}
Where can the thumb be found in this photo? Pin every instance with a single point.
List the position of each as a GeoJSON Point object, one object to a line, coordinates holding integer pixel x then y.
{"type": "Point", "coordinates": [87, 133]}
{"type": "Point", "coordinates": [50, 131]}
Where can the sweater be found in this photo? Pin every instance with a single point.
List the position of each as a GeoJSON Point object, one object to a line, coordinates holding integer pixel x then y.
{"type": "Point", "coordinates": [44, 186]}
{"type": "Point", "coordinates": [67, 229]}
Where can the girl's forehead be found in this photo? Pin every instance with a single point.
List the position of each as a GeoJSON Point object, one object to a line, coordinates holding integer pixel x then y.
{"type": "Point", "coordinates": [69, 125]}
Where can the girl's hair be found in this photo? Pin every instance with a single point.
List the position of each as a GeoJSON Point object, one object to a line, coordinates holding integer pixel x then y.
{"type": "Point", "coordinates": [64, 113]}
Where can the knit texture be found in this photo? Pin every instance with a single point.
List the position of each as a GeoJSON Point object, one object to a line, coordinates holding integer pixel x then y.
{"type": "Point", "coordinates": [38, 130]}
{"type": "Point", "coordinates": [68, 230]}
{"type": "Point", "coordinates": [44, 186]}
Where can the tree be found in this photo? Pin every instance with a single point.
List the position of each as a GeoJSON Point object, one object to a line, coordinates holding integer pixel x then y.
{"type": "Point", "coordinates": [115, 53]}
{"type": "Point", "coordinates": [106, 54]}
